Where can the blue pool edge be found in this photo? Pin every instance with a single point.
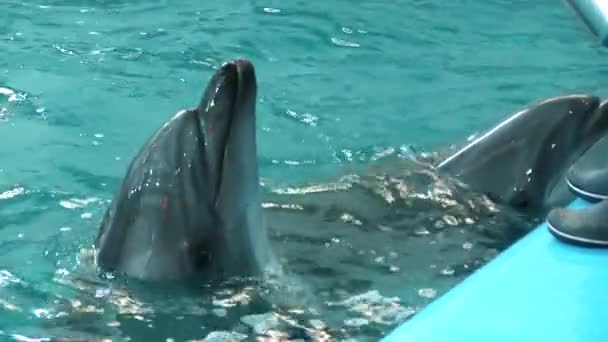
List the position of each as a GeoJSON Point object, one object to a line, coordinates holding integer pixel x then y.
{"type": "Point", "coordinates": [537, 289]}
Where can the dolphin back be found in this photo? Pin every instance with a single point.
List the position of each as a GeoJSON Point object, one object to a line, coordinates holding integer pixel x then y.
{"type": "Point", "coordinates": [522, 160]}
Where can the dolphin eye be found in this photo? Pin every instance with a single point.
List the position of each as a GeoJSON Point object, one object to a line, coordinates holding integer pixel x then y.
{"type": "Point", "coordinates": [200, 255]}
{"type": "Point", "coordinates": [202, 259]}
{"type": "Point", "coordinates": [521, 199]}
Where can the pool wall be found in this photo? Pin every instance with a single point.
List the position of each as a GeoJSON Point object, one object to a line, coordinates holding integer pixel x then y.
{"type": "Point", "coordinates": [594, 13]}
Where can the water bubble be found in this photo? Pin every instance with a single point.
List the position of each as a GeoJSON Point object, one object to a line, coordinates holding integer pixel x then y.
{"type": "Point", "coordinates": [102, 292]}
{"type": "Point", "coordinates": [12, 193]}
{"type": "Point", "coordinates": [344, 43]}
{"type": "Point", "coordinates": [356, 322]}
{"type": "Point", "coordinates": [220, 312]}
{"type": "Point", "coordinates": [7, 278]}
{"type": "Point", "coordinates": [42, 313]}
{"type": "Point", "coordinates": [451, 220]}
{"type": "Point", "coordinates": [427, 293]}
{"type": "Point", "coordinates": [271, 10]}
{"type": "Point", "coordinates": [224, 336]}
{"type": "Point", "coordinates": [385, 228]}
{"type": "Point", "coordinates": [261, 324]}
{"type": "Point", "coordinates": [448, 271]}
{"type": "Point", "coordinates": [17, 97]}
{"type": "Point", "coordinates": [6, 91]}
{"type": "Point", "coordinates": [422, 231]}
{"type": "Point", "coordinates": [439, 224]}
{"type": "Point", "coordinates": [317, 324]}
{"type": "Point", "coordinates": [62, 272]}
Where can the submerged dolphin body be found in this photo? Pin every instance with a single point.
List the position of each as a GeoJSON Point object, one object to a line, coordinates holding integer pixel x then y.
{"type": "Point", "coordinates": [522, 161]}
{"type": "Point", "coordinates": [189, 202]}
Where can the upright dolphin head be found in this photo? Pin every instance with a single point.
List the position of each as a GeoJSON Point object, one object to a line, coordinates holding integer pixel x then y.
{"type": "Point", "coordinates": [522, 160]}
{"type": "Point", "coordinates": [189, 202]}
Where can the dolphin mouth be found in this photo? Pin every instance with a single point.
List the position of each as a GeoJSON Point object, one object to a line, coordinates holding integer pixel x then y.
{"type": "Point", "coordinates": [228, 93]}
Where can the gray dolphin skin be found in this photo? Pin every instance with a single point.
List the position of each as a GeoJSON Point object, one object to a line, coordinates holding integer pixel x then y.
{"type": "Point", "coordinates": [522, 161]}
{"type": "Point", "coordinates": [190, 200]}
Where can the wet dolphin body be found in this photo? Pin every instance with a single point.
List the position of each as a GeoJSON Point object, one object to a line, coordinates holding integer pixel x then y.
{"type": "Point", "coordinates": [189, 202]}
{"type": "Point", "coordinates": [522, 160]}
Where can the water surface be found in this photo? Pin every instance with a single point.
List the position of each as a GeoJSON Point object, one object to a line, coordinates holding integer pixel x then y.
{"type": "Point", "coordinates": [343, 87]}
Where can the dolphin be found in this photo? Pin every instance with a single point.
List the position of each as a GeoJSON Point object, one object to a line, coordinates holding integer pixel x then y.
{"type": "Point", "coordinates": [190, 201]}
{"type": "Point", "coordinates": [522, 161]}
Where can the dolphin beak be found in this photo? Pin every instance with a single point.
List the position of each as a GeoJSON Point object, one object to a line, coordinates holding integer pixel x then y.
{"type": "Point", "coordinates": [229, 91]}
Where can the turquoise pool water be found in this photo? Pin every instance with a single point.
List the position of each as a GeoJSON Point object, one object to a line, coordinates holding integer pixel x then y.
{"type": "Point", "coordinates": [342, 86]}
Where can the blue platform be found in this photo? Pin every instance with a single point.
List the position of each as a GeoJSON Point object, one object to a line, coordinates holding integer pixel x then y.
{"type": "Point", "coordinates": [539, 289]}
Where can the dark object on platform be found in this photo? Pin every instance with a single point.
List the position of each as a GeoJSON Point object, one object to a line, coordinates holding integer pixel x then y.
{"type": "Point", "coordinates": [585, 227]}
{"type": "Point", "coordinates": [588, 177]}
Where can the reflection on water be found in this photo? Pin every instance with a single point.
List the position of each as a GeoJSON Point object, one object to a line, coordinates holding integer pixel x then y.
{"type": "Point", "coordinates": [362, 254]}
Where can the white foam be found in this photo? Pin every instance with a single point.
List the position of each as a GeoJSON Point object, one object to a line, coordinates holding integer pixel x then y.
{"type": "Point", "coordinates": [74, 203]}
{"type": "Point", "coordinates": [12, 193]}
{"type": "Point", "coordinates": [6, 91]}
